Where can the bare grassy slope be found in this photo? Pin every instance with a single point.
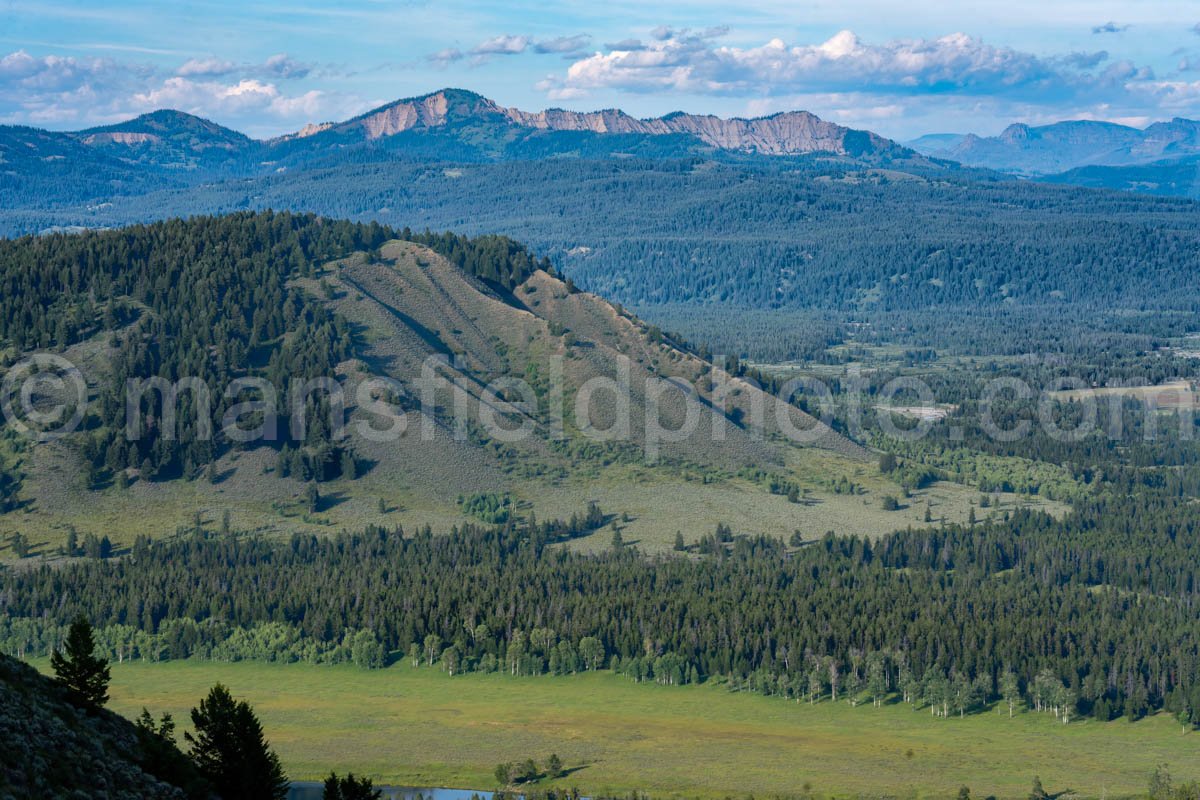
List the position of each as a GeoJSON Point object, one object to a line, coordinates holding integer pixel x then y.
{"type": "Point", "coordinates": [415, 305]}
{"type": "Point", "coordinates": [407, 305]}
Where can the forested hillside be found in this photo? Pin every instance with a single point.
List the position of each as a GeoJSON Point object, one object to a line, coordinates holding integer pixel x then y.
{"type": "Point", "coordinates": [1092, 615]}
{"type": "Point", "coordinates": [749, 233]}
{"type": "Point", "coordinates": [208, 299]}
{"type": "Point", "coordinates": [192, 335]}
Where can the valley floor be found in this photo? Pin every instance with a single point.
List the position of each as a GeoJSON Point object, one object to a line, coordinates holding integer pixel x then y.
{"type": "Point", "coordinates": [420, 727]}
{"type": "Point", "coordinates": [653, 503]}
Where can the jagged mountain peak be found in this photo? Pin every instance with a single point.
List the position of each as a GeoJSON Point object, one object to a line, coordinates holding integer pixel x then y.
{"type": "Point", "coordinates": [782, 133]}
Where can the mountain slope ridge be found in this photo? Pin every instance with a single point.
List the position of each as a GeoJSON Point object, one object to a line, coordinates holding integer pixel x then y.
{"type": "Point", "coordinates": [782, 133]}
{"type": "Point", "coordinates": [1066, 145]}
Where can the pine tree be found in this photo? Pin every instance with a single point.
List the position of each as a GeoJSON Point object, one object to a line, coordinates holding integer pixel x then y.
{"type": "Point", "coordinates": [77, 667]}
{"type": "Point", "coordinates": [350, 788]}
{"type": "Point", "coordinates": [231, 751]}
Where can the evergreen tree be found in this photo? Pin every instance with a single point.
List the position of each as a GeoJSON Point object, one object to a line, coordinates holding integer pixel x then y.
{"type": "Point", "coordinates": [350, 788]}
{"type": "Point", "coordinates": [230, 750]}
{"type": "Point", "coordinates": [618, 543]}
{"type": "Point", "coordinates": [77, 667]}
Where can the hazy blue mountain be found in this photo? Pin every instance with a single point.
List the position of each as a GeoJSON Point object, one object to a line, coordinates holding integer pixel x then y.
{"type": "Point", "coordinates": [1174, 177]}
{"type": "Point", "coordinates": [170, 149]}
{"type": "Point", "coordinates": [1064, 146]}
{"type": "Point", "coordinates": [935, 142]}
{"type": "Point", "coordinates": [171, 139]}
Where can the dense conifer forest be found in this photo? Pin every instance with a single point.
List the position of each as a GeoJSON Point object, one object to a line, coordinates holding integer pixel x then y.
{"type": "Point", "coordinates": [1094, 614]}
{"type": "Point", "coordinates": [209, 298]}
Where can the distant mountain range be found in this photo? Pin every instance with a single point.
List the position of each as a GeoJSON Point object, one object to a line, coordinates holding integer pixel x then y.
{"type": "Point", "coordinates": [169, 149]}
{"type": "Point", "coordinates": [454, 123]}
{"type": "Point", "coordinates": [1064, 146]}
{"type": "Point", "coordinates": [786, 211]}
{"type": "Point", "coordinates": [173, 150]}
{"type": "Point", "coordinates": [787, 133]}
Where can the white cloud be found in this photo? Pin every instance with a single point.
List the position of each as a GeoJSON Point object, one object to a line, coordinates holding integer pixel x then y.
{"type": "Point", "coordinates": [1178, 97]}
{"type": "Point", "coordinates": [903, 86]}
{"type": "Point", "coordinates": [445, 57]}
{"type": "Point", "coordinates": [279, 66]}
{"type": "Point", "coordinates": [503, 45]}
{"type": "Point", "coordinates": [1110, 27]}
{"type": "Point", "coordinates": [628, 45]}
{"type": "Point", "coordinates": [284, 66]}
{"type": "Point", "coordinates": [207, 96]}
{"type": "Point", "coordinates": [1085, 60]}
{"type": "Point", "coordinates": [957, 64]}
{"type": "Point", "coordinates": [558, 93]}
{"type": "Point", "coordinates": [202, 67]}
{"type": "Point", "coordinates": [68, 92]}
{"type": "Point", "coordinates": [563, 44]}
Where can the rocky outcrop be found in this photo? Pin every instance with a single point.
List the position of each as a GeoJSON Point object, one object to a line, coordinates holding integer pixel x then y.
{"type": "Point", "coordinates": [788, 133]}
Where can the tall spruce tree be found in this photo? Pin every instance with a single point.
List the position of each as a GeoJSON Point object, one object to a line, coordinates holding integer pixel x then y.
{"type": "Point", "coordinates": [77, 667]}
{"type": "Point", "coordinates": [231, 751]}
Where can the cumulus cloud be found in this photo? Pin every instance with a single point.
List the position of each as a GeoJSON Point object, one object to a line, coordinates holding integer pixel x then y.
{"type": "Point", "coordinates": [902, 83]}
{"type": "Point", "coordinates": [1110, 27]}
{"type": "Point", "coordinates": [628, 45]}
{"type": "Point", "coordinates": [280, 66]}
{"type": "Point", "coordinates": [957, 63]}
{"type": "Point", "coordinates": [563, 44]}
{"type": "Point", "coordinates": [202, 67]}
{"type": "Point", "coordinates": [503, 45]}
{"type": "Point", "coordinates": [664, 32]}
{"type": "Point", "coordinates": [65, 91]}
{"type": "Point", "coordinates": [285, 67]}
{"type": "Point", "coordinates": [1177, 97]}
{"type": "Point", "coordinates": [1085, 60]}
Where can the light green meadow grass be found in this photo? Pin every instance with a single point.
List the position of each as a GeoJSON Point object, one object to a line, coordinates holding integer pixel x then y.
{"type": "Point", "coordinates": [421, 727]}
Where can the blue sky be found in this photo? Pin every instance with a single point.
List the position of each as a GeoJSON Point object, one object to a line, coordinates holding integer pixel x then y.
{"type": "Point", "coordinates": [268, 67]}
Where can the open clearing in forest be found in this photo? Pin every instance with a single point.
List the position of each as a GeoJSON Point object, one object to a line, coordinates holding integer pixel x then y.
{"type": "Point", "coordinates": [658, 502]}
{"type": "Point", "coordinates": [420, 727]}
{"type": "Point", "coordinates": [1166, 396]}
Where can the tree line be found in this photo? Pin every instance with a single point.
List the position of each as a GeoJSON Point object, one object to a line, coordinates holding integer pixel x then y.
{"type": "Point", "coordinates": [1092, 614]}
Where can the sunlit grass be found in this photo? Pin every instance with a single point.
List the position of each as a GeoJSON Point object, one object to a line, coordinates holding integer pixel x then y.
{"type": "Point", "coordinates": [421, 727]}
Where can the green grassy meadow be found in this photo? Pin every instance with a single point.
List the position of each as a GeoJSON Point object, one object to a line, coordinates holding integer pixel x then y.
{"type": "Point", "coordinates": [421, 727]}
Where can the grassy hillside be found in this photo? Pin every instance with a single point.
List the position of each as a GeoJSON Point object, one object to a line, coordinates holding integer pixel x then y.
{"type": "Point", "coordinates": [310, 303]}
{"type": "Point", "coordinates": [423, 728]}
